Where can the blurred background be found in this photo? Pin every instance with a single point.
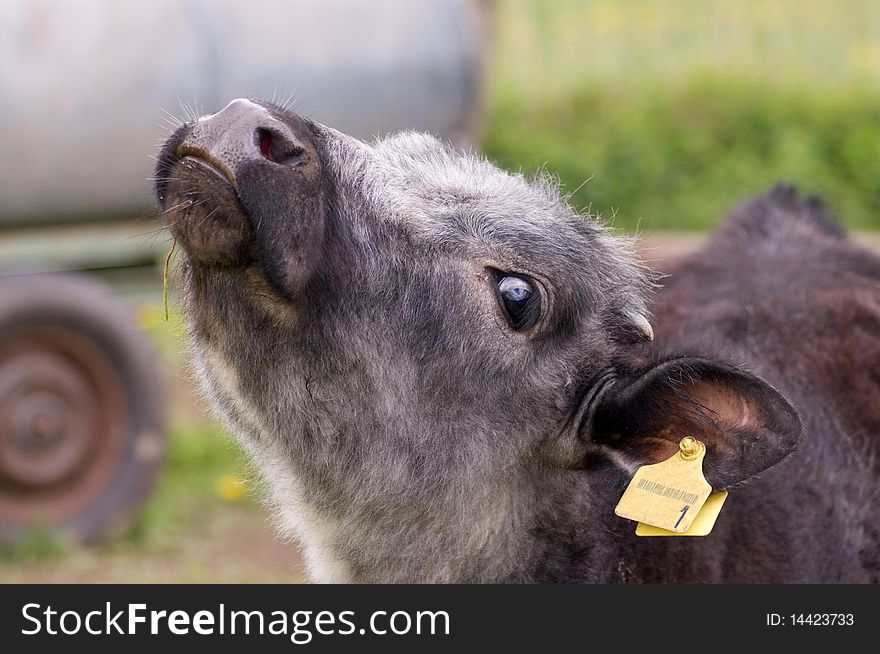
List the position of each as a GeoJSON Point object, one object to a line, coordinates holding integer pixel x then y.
{"type": "Point", "coordinates": [658, 115]}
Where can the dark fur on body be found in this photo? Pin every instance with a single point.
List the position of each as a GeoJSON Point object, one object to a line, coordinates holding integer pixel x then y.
{"type": "Point", "coordinates": [781, 292]}
{"type": "Point", "coordinates": [344, 324]}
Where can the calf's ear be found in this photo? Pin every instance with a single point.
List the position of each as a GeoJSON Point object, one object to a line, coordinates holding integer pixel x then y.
{"type": "Point", "coordinates": [746, 425]}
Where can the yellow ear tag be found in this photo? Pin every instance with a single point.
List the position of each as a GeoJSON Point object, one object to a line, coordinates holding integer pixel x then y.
{"type": "Point", "coordinates": [669, 495]}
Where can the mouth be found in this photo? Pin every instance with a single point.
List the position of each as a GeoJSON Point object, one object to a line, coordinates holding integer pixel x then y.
{"type": "Point", "coordinates": [201, 157]}
{"type": "Point", "coordinates": [203, 209]}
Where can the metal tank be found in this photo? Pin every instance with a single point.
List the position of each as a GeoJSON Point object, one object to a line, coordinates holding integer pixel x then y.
{"type": "Point", "coordinates": [88, 89]}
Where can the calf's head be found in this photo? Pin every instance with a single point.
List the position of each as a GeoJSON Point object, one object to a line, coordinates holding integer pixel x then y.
{"type": "Point", "coordinates": [415, 346]}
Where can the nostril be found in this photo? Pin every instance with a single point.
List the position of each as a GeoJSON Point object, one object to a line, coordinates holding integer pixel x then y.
{"type": "Point", "coordinates": [265, 137]}
{"type": "Point", "coordinates": [279, 149]}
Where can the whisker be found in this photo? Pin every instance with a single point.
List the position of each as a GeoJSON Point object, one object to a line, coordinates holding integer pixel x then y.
{"type": "Point", "coordinates": [288, 103]}
{"type": "Point", "coordinates": [190, 112]}
{"type": "Point", "coordinates": [152, 232]}
{"type": "Point", "coordinates": [171, 117]}
{"type": "Point", "coordinates": [179, 205]}
{"type": "Point", "coordinates": [174, 123]}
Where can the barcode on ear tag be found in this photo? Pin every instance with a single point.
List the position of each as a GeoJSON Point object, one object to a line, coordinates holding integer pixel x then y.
{"type": "Point", "coordinates": [670, 494]}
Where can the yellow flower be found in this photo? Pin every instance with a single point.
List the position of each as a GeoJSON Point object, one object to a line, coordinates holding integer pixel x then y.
{"type": "Point", "coordinates": [231, 487]}
{"type": "Point", "coordinates": [147, 315]}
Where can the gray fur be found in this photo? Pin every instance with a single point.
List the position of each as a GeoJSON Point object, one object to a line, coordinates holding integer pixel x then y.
{"type": "Point", "coordinates": [405, 432]}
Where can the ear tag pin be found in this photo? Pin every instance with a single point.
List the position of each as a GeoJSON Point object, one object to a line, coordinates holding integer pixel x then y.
{"type": "Point", "coordinates": [668, 498]}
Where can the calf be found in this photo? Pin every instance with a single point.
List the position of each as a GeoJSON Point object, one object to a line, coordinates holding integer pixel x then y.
{"type": "Point", "coordinates": [445, 374]}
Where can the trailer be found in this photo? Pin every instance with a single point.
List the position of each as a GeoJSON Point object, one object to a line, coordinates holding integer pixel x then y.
{"type": "Point", "coordinates": [89, 90]}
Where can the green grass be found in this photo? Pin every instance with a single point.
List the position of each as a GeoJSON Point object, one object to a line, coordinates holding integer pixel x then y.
{"type": "Point", "coordinates": [35, 545]}
{"type": "Point", "coordinates": [675, 111]}
{"type": "Point", "coordinates": [202, 456]}
{"type": "Point", "coordinates": [199, 460]}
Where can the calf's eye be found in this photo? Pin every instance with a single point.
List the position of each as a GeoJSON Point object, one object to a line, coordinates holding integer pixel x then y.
{"type": "Point", "coordinates": [520, 301]}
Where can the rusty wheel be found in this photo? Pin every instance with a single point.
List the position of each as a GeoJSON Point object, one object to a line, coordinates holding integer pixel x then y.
{"type": "Point", "coordinates": [82, 432]}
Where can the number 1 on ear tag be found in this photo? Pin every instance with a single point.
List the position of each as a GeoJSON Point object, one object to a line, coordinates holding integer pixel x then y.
{"type": "Point", "coordinates": [670, 494]}
{"type": "Point", "coordinates": [702, 524]}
